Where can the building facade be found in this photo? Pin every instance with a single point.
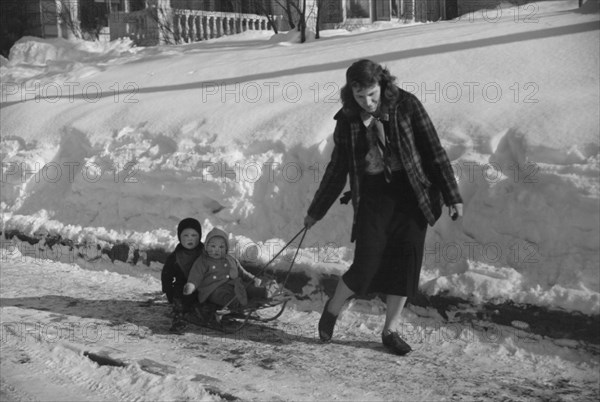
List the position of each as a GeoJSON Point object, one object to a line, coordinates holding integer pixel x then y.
{"type": "Point", "coordinates": [174, 21]}
{"type": "Point", "coordinates": [350, 13]}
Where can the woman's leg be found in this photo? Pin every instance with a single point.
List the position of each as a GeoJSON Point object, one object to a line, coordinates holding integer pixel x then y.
{"type": "Point", "coordinates": [342, 293]}
{"type": "Point", "coordinates": [330, 314]}
{"type": "Point", "coordinates": [395, 305]}
{"type": "Point", "coordinates": [389, 336]}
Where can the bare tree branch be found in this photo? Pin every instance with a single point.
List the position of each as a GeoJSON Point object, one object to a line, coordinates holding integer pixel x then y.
{"type": "Point", "coordinates": [262, 9]}
{"type": "Point", "coordinates": [288, 10]}
{"type": "Point", "coordinates": [164, 21]}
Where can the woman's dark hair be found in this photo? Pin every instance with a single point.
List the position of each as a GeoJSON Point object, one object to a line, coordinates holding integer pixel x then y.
{"type": "Point", "coordinates": [363, 74]}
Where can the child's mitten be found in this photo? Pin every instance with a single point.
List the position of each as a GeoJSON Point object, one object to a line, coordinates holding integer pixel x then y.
{"type": "Point", "coordinates": [189, 288]}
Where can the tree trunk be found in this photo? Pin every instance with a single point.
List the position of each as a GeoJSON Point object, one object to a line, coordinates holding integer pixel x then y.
{"type": "Point", "coordinates": [273, 23]}
{"type": "Point", "coordinates": [263, 10]}
{"type": "Point", "coordinates": [303, 23]}
{"type": "Point", "coordinates": [288, 10]}
{"type": "Point", "coordinates": [318, 19]}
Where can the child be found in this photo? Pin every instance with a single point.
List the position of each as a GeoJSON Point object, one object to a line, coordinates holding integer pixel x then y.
{"type": "Point", "coordinates": [177, 268]}
{"type": "Point", "coordinates": [218, 276]}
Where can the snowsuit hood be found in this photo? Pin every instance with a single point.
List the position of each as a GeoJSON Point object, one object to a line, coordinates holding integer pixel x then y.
{"type": "Point", "coordinates": [216, 232]}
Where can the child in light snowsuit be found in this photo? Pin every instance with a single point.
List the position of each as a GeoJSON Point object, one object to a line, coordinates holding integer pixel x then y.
{"type": "Point", "coordinates": [177, 267]}
{"type": "Point", "coordinates": [219, 277]}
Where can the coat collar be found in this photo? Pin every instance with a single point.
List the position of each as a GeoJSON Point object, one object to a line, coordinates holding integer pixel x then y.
{"type": "Point", "coordinates": [381, 114]}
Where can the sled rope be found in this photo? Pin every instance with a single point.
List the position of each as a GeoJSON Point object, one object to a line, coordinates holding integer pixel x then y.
{"type": "Point", "coordinates": [262, 270]}
{"type": "Point", "coordinates": [303, 231]}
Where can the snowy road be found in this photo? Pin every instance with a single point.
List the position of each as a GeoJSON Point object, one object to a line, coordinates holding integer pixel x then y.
{"type": "Point", "coordinates": [55, 316]}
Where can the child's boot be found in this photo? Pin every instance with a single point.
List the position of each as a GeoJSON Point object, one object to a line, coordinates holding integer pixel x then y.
{"type": "Point", "coordinates": [178, 326]}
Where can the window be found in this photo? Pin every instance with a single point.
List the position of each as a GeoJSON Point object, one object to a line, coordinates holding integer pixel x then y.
{"type": "Point", "coordinates": [357, 9]}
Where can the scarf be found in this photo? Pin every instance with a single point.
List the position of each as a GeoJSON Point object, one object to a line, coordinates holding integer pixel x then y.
{"type": "Point", "coordinates": [373, 122]}
{"type": "Point", "coordinates": [185, 258]}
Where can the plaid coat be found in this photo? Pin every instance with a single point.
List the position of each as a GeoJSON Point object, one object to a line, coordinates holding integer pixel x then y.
{"type": "Point", "coordinates": [412, 134]}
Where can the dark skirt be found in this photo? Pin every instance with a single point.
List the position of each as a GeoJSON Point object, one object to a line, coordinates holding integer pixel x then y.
{"type": "Point", "coordinates": [390, 237]}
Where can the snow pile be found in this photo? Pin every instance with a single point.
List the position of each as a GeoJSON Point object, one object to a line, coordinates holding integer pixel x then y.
{"type": "Point", "coordinates": [49, 61]}
{"type": "Point", "coordinates": [33, 50]}
{"type": "Point", "coordinates": [293, 36]}
{"type": "Point", "coordinates": [527, 226]}
{"type": "Point", "coordinates": [111, 143]}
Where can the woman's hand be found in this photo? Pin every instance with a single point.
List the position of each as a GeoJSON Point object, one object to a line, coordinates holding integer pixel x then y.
{"type": "Point", "coordinates": [309, 221]}
{"type": "Point", "coordinates": [455, 211]}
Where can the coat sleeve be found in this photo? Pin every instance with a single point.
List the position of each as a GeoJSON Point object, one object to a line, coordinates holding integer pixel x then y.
{"type": "Point", "coordinates": [335, 176]}
{"type": "Point", "coordinates": [197, 273]}
{"type": "Point", "coordinates": [244, 275]}
{"type": "Point", "coordinates": [434, 157]}
{"type": "Point", "coordinates": [167, 276]}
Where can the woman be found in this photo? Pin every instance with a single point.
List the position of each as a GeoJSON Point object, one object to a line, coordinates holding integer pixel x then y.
{"type": "Point", "coordinates": [399, 177]}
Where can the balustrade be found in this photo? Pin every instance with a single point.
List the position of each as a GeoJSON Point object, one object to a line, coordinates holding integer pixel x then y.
{"type": "Point", "coordinates": [169, 25]}
{"type": "Point", "coordinates": [196, 25]}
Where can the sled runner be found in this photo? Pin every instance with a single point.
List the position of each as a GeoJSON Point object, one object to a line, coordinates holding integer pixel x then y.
{"type": "Point", "coordinates": [231, 318]}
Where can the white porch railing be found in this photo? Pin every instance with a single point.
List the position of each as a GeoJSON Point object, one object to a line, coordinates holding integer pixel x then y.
{"type": "Point", "coordinates": [196, 25]}
{"type": "Point", "coordinates": [152, 26]}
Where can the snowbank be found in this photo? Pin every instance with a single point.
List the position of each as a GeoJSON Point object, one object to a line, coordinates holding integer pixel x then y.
{"type": "Point", "coordinates": [108, 143]}
{"type": "Point", "coordinates": [50, 61]}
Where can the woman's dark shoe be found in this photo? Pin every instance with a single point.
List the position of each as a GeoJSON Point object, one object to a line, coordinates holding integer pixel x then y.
{"type": "Point", "coordinates": [393, 342]}
{"type": "Point", "coordinates": [326, 324]}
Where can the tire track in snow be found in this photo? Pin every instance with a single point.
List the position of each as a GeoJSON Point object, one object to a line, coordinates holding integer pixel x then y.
{"type": "Point", "coordinates": [9, 392]}
{"type": "Point", "coordinates": [43, 360]}
{"type": "Point", "coordinates": [356, 366]}
{"type": "Point", "coordinates": [70, 378]}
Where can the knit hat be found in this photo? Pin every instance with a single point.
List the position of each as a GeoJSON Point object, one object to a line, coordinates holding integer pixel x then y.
{"type": "Point", "coordinates": [189, 223]}
{"type": "Point", "coordinates": [216, 232]}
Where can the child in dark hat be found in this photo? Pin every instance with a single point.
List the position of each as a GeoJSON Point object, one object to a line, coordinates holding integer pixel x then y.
{"type": "Point", "coordinates": [177, 268]}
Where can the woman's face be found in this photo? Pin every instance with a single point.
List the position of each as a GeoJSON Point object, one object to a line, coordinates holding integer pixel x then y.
{"type": "Point", "coordinates": [367, 97]}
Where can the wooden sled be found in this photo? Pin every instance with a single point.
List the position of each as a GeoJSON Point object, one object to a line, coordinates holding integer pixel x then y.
{"type": "Point", "coordinates": [230, 319]}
